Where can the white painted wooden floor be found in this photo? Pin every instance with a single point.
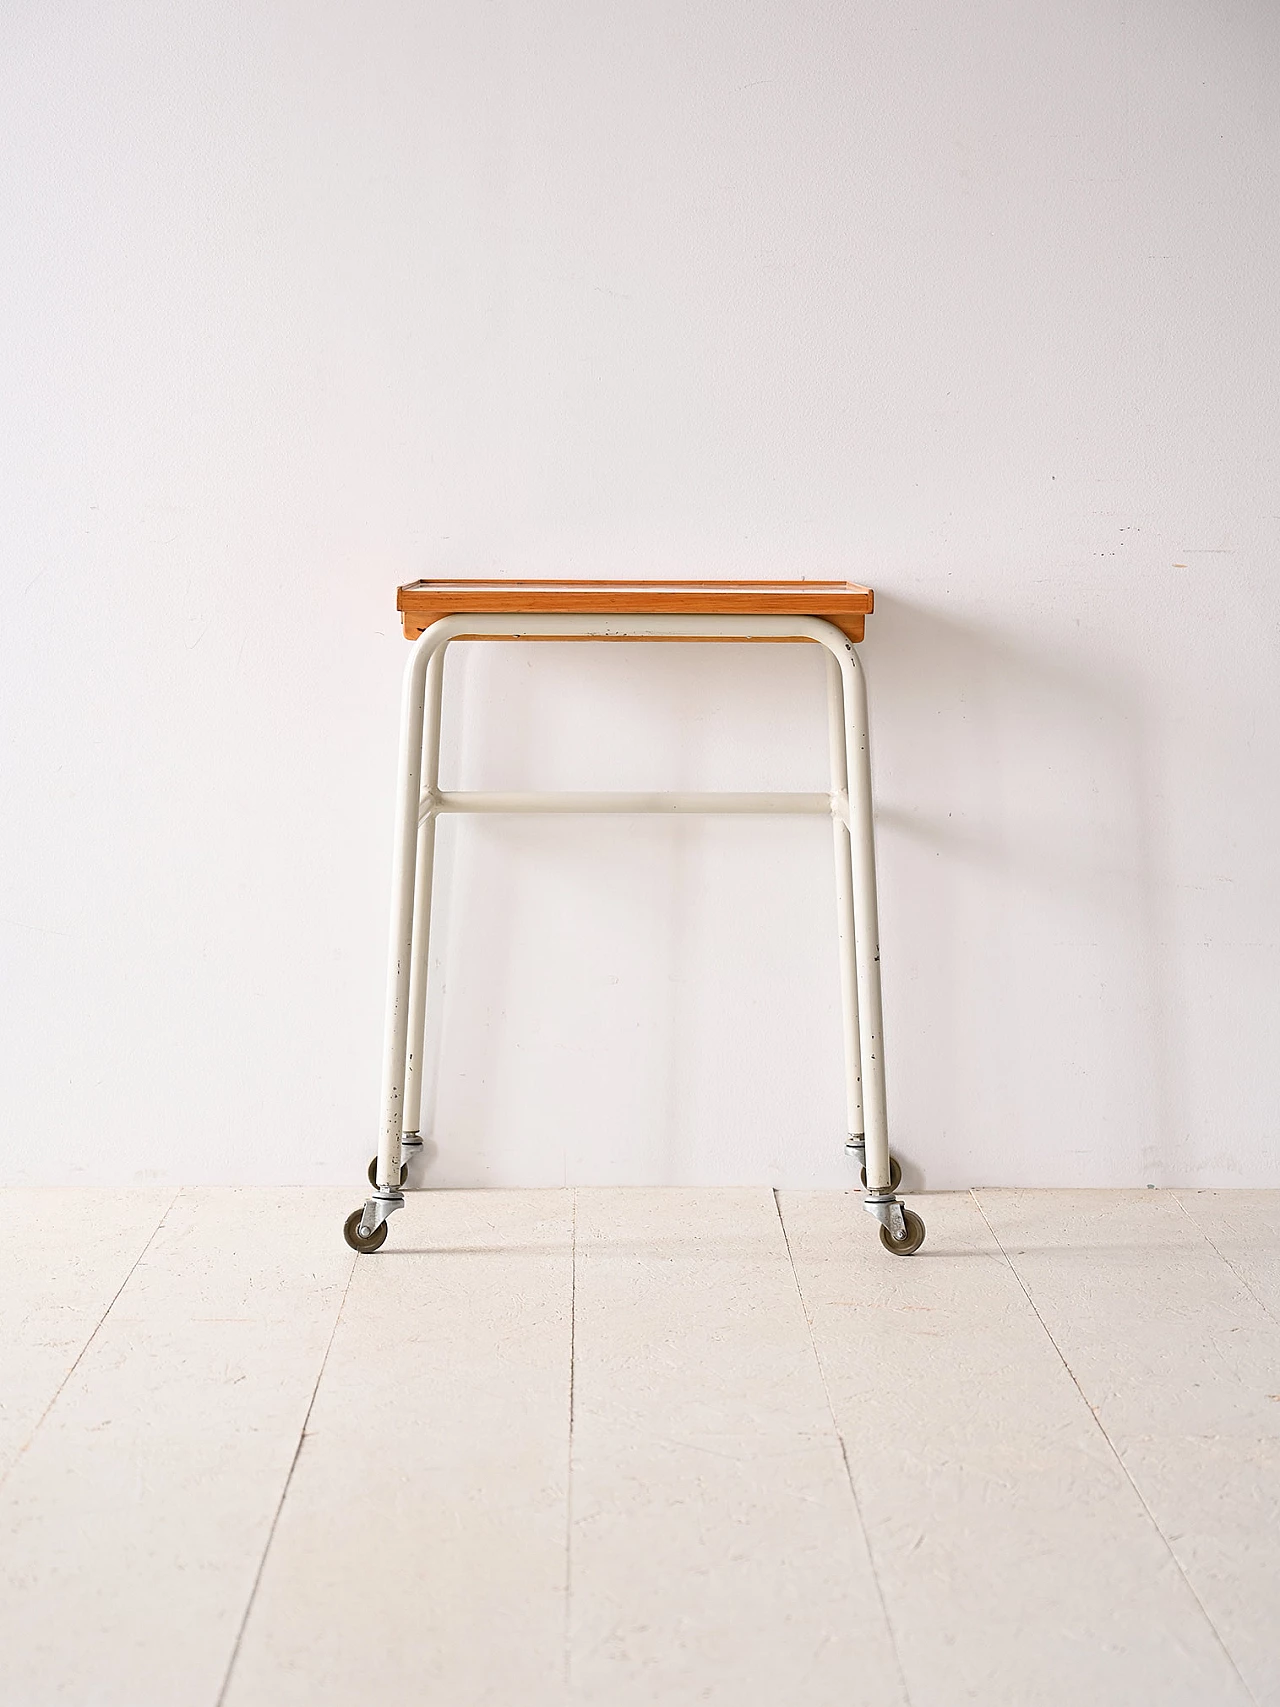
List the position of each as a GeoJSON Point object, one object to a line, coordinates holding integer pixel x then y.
{"type": "Point", "coordinates": [626, 1447]}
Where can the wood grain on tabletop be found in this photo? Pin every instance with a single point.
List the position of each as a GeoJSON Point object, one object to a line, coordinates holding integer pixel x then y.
{"type": "Point", "coordinates": [843, 603]}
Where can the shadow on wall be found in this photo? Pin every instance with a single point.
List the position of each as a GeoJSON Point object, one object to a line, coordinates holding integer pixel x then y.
{"type": "Point", "coordinates": [1030, 1006]}
{"type": "Point", "coordinates": [1031, 1026]}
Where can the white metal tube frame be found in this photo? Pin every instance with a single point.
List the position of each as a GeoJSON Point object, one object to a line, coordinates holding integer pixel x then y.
{"type": "Point", "coordinates": [421, 802]}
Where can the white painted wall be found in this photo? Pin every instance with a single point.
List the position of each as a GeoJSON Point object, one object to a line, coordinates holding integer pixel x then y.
{"type": "Point", "coordinates": [976, 303]}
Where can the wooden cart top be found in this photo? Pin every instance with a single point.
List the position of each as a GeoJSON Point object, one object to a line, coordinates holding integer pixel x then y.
{"type": "Point", "coordinates": [843, 603]}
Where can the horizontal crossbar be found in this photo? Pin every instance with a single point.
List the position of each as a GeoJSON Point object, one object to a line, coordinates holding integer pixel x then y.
{"type": "Point", "coordinates": [760, 805]}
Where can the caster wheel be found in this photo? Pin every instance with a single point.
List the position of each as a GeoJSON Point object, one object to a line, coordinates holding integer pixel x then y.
{"type": "Point", "coordinates": [895, 1174]}
{"type": "Point", "coordinates": [351, 1233]}
{"type": "Point", "coordinates": [373, 1173]}
{"type": "Point", "coordinates": [911, 1244]}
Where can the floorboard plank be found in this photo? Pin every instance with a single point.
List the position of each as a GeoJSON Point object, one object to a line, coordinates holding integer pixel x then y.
{"type": "Point", "coordinates": [1244, 1228]}
{"type": "Point", "coordinates": [66, 1252]}
{"type": "Point", "coordinates": [420, 1552]}
{"type": "Point", "coordinates": [1181, 1363]}
{"type": "Point", "coordinates": [132, 1528]}
{"type": "Point", "coordinates": [1017, 1564]}
{"type": "Point", "coordinates": [717, 1555]}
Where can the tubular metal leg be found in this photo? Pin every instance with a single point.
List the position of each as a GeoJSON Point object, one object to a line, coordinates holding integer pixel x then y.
{"type": "Point", "coordinates": [880, 1197]}
{"type": "Point", "coordinates": [414, 707]}
{"type": "Point", "coordinates": [412, 1135]}
{"type": "Point", "coordinates": [844, 911]}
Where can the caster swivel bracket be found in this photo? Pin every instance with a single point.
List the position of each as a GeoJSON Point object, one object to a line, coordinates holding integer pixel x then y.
{"type": "Point", "coordinates": [377, 1209]}
{"type": "Point", "coordinates": [888, 1212]}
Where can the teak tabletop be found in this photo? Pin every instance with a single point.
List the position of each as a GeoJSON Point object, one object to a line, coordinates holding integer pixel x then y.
{"type": "Point", "coordinates": [843, 603]}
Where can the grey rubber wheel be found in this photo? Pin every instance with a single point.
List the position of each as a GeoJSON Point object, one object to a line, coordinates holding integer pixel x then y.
{"type": "Point", "coordinates": [908, 1246]}
{"type": "Point", "coordinates": [373, 1173]}
{"type": "Point", "coordinates": [352, 1234]}
{"type": "Point", "coordinates": [895, 1174]}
